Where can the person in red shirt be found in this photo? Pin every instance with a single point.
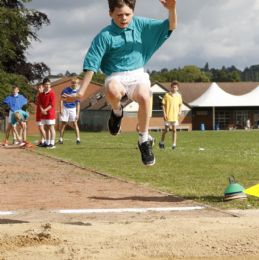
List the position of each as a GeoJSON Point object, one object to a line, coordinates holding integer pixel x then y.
{"type": "Point", "coordinates": [38, 117]}
{"type": "Point", "coordinates": [47, 102]}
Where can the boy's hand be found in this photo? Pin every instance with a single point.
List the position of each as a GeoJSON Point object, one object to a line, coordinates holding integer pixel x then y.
{"type": "Point", "coordinates": [44, 112]}
{"type": "Point", "coordinates": [168, 4]}
{"type": "Point", "coordinates": [69, 98]}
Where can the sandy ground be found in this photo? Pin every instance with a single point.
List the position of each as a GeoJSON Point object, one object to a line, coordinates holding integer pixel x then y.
{"type": "Point", "coordinates": [35, 188]}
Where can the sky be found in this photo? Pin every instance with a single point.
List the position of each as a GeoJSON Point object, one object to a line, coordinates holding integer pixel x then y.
{"type": "Point", "coordinates": [222, 33]}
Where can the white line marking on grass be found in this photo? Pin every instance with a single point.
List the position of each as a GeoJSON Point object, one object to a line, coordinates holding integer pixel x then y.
{"type": "Point", "coordinates": [5, 213]}
{"type": "Point", "coordinates": [125, 210]}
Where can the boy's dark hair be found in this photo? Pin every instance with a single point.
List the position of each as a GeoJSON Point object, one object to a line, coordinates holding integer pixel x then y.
{"type": "Point", "coordinates": [175, 82]}
{"type": "Point", "coordinates": [120, 3]}
{"type": "Point", "coordinates": [46, 80]}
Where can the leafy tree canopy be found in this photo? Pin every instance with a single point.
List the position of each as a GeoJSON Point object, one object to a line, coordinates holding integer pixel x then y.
{"type": "Point", "coordinates": [19, 27]}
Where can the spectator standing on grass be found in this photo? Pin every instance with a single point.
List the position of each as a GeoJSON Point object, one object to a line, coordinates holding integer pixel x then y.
{"type": "Point", "coordinates": [47, 102]}
{"type": "Point", "coordinates": [69, 111]}
{"type": "Point", "coordinates": [14, 102]}
{"type": "Point", "coordinates": [121, 51]}
{"type": "Point", "coordinates": [38, 117]}
{"type": "Point", "coordinates": [172, 109]}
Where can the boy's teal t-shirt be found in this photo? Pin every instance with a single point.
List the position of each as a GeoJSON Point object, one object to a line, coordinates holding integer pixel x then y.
{"type": "Point", "coordinates": [24, 116]}
{"type": "Point", "coordinates": [116, 50]}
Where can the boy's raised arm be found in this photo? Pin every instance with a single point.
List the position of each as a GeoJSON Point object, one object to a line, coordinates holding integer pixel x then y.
{"type": "Point", "coordinates": [171, 6]}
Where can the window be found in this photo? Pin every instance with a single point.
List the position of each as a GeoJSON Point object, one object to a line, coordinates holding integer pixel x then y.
{"type": "Point", "coordinates": [222, 119]}
{"type": "Point", "coordinates": [241, 118]}
{"type": "Point", "coordinates": [157, 104]}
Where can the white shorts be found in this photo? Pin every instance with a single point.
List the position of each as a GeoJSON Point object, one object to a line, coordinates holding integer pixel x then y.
{"type": "Point", "coordinates": [48, 121]}
{"type": "Point", "coordinates": [39, 123]}
{"type": "Point", "coordinates": [68, 115]}
{"type": "Point", "coordinates": [171, 123]}
{"type": "Point", "coordinates": [130, 80]}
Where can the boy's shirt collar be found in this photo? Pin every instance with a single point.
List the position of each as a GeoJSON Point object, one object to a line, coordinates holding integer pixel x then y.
{"type": "Point", "coordinates": [115, 28]}
{"type": "Point", "coordinates": [46, 92]}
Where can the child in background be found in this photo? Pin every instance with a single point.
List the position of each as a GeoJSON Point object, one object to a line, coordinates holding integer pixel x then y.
{"type": "Point", "coordinates": [14, 102]}
{"type": "Point", "coordinates": [69, 111]}
{"type": "Point", "coordinates": [20, 117]}
{"type": "Point", "coordinates": [42, 142]}
{"type": "Point", "coordinates": [47, 102]}
{"type": "Point", "coordinates": [172, 108]}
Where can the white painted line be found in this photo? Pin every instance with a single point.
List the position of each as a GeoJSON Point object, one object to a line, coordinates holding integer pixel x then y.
{"type": "Point", "coordinates": [125, 210]}
{"type": "Point", "coordinates": [5, 213]}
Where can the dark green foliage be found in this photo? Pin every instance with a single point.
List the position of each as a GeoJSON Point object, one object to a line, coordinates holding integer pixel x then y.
{"type": "Point", "coordinates": [19, 27]}
{"type": "Point", "coordinates": [251, 74]}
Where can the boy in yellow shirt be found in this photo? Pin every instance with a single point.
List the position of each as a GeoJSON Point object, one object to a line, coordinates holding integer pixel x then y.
{"type": "Point", "coordinates": [172, 108]}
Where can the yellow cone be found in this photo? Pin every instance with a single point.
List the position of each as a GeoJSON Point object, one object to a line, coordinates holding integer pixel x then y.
{"type": "Point", "coordinates": [254, 191]}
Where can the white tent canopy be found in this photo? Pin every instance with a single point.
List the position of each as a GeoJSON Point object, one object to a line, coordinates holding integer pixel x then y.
{"type": "Point", "coordinates": [214, 96]}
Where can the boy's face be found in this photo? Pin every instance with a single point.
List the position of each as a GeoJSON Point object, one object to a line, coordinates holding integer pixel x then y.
{"type": "Point", "coordinates": [122, 16]}
{"type": "Point", "coordinates": [174, 88]}
{"type": "Point", "coordinates": [47, 86]}
{"type": "Point", "coordinates": [15, 90]}
{"type": "Point", "coordinates": [18, 117]}
{"type": "Point", "coordinates": [75, 83]}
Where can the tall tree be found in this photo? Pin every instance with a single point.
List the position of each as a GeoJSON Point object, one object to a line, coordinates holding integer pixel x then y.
{"type": "Point", "coordinates": [19, 27]}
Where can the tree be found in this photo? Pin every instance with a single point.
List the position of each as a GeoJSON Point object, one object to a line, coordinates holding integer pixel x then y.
{"type": "Point", "coordinates": [19, 27]}
{"type": "Point", "coordinates": [206, 67]}
{"type": "Point", "coordinates": [193, 74]}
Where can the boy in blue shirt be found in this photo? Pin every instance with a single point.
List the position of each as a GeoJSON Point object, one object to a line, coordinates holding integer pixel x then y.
{"type": "Point", "coordinates": [69, 111]}
{"type": "Point", "coordinates": [121, 50]}
{"type": "Point", "coordinates": [14, 102]}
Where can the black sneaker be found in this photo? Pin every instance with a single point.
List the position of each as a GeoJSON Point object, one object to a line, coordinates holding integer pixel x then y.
{"type": "Point", "coordinates": [60, 141]}
{"type": "Point", "coordinates": [174, 146]}
{"type": "Point", "coordinates": [39, 144]}
{"type": "Point", "coordinates": [114, 123]}
{"type": "Point", "coordinates": [77, 141]}
{"type": "Point", "coordinates": [147, 155]}
{"type": "Point", "coordinates": [161, 145]}
{"type": "Point", "coordinates": [51, 146]}
{"type": "Point", "coordinates": [44, 145]}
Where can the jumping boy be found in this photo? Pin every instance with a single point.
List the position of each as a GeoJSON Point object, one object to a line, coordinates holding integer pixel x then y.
{"type": "Point", "coordinates": [69, 111]}
{"type": "Point", "coordinates": [121, 50]}
{"type": "Point", "coordinates": [47, 101]}
{"type": "Point", "coordinates": [172, 107]}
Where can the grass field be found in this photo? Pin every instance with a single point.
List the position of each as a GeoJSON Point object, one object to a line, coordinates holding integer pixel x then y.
{"type": "Point", "coordinates": [188, 171]}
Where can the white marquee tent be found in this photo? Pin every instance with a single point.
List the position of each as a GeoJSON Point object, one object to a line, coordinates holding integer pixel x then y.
{"type": "Point", "coordinates": [214, 96]}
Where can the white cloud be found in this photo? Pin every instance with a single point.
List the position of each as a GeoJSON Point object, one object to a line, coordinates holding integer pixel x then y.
{"type": "Point", "coordinates": [219, 32]}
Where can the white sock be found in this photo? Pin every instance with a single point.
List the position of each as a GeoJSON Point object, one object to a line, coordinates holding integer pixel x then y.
{"type": "Point", "coordinates": [143, 137]}
{"type": "Point", "coordinates": [42, 140]}
{"type": "Point", "coordinates": [48, 142]}
{"type": "Point", "coordinates": [52, 142]}
{"type": "Point", "coordinates": [150, 138]}
{"type": "Point", "coordinates": [60, 139]}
